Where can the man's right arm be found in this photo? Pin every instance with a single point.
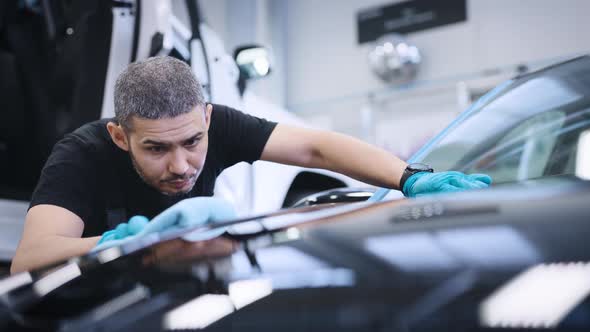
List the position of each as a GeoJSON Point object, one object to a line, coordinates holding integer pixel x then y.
{"type": "Point", "coordinates": [51, 234]}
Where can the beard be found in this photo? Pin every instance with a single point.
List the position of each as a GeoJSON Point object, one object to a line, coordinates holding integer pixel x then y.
{"type": "Point", "coordinates": [192, 178]}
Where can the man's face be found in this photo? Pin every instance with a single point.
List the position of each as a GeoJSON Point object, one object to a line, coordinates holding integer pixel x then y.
{"type": "Point", "coordinates": [169, 154]}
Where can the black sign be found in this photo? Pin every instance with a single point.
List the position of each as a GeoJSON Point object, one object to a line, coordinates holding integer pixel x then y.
{"type": "Point", "coordinates": [408, 16]}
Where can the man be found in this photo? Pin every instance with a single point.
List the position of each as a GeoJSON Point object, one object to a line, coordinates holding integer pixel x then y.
{"type": "Point", "coordinates": [166, 145]}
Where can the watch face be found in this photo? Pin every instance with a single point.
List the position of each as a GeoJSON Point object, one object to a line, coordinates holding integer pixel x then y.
{"type": "Point", "coordinates": [420, 167]}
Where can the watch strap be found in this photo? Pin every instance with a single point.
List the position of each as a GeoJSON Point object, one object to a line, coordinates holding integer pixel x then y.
{"type": "Point", "coordinates": [410, 170]}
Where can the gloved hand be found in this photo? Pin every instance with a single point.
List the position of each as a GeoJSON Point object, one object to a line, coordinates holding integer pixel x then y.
{"type": "Point", "coordinates": [123, 230]}
{"type": "Point", "coordinates": [184, 214]}
{"type": "Point", "coordinates": [190, 212]}
{"type": "Point", "coordinates": [425, 183]}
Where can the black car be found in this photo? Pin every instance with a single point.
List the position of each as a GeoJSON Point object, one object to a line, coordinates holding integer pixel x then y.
{"type": "Point", "coordinates": [511, 257]}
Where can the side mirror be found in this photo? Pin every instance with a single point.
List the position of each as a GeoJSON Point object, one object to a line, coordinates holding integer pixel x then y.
{"type": "Point", "coordinates": [253, 61]}
{"type": "Point", "coordinates": [583, 156]}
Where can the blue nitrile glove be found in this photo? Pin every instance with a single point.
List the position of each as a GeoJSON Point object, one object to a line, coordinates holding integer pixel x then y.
{"type": "Point", "coordinates": [425, 183]}
{"type": "Point", "coordinates": [184, 214]}
{"type": "Point", "coordinates": [123, 230]}
{"type": "Point", "coordinates": [190, 212]}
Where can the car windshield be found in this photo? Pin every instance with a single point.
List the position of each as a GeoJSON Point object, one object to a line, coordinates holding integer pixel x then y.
{"type": "Point", "coordinates": [526, 128]}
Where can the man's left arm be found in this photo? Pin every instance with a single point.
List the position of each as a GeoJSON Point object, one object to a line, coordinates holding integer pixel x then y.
{"type": "Point", "coordinates": [336, 152]}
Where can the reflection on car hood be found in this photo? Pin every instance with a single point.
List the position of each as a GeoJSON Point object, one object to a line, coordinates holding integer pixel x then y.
{"type": "Point", "coordinates": [419, 263]}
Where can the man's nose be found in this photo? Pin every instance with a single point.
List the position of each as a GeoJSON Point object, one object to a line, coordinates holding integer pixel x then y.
{"type": "Point", "coordinates": [178, 163]}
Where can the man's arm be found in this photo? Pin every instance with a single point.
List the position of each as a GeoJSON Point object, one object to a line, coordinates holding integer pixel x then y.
{"type": "Point", "coordinates": [336, 152]}
{"type": "Point", "coordinates": [51, 234]}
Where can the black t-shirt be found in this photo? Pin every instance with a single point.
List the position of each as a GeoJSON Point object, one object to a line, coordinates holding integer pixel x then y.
{"type": "Point", "coordinates": [93, 178]}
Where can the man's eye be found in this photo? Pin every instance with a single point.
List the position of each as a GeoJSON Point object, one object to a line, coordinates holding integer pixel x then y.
{"type": "Point", "coordinates": [156, 149]}
{"type": "Point", "coordinates": [192, 142]}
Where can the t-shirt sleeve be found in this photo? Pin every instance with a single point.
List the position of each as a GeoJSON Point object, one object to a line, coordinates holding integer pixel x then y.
{"type": "Point", "coordinates": [237, 136]}
{"type": "Point", "coordinates": [68, 179]}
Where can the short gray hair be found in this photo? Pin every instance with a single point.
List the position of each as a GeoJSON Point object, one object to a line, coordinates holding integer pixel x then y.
{"type": "Point", "coordinates": [156, 88]}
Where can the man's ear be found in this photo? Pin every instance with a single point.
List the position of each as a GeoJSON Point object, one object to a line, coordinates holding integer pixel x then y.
{"type": "Point", "coordinates": [118, 135]}
{"type": "Point", "coordinates": [208, 111]}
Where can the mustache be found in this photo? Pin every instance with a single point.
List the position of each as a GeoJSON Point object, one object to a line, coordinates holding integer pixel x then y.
{"type": "Point", "coordinates": [180, 177]}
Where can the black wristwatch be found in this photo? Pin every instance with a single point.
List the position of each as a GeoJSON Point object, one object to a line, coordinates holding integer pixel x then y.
{"type": "Point", "coordinates": [412, 169]}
